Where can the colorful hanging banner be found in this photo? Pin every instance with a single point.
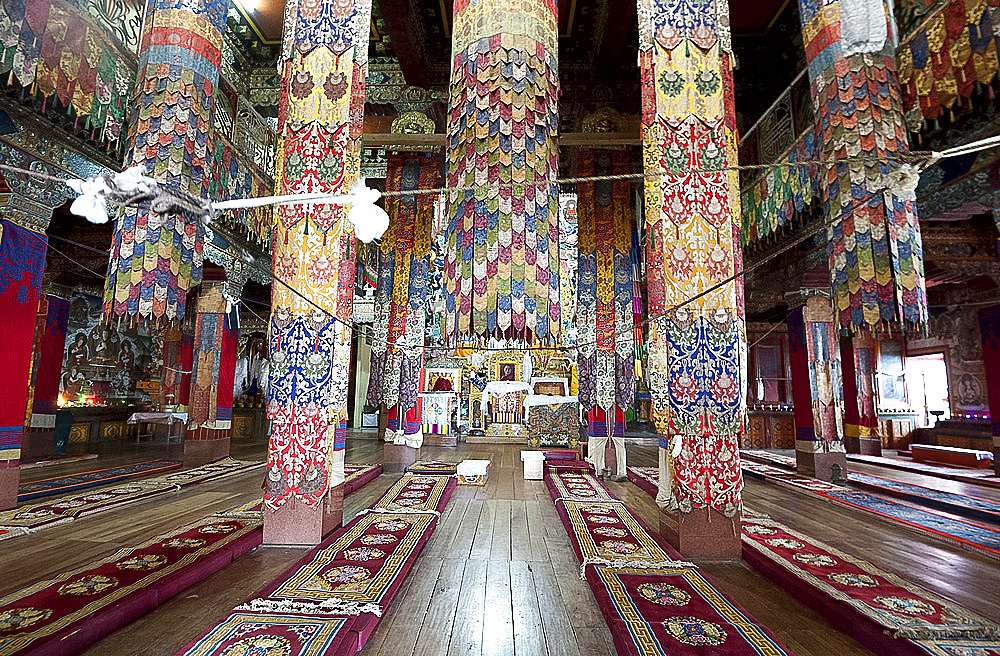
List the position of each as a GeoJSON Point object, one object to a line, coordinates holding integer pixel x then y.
{"type": "Point", "coordinates": [502, 261]}
{"type": "Point", "coordinates": [608, 263]}
{"type": "Point", "coordinates": [401, 302]}
{"type": "Point", "coordinates": [876, 259]}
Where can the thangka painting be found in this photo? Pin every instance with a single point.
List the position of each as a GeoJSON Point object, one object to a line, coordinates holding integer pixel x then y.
{"type": "Point", "coordinates": [101, 362]}
{"type": "Point", "coordinates": [549, 386]}
{"type": "Point", "coordinates": [442, 380]}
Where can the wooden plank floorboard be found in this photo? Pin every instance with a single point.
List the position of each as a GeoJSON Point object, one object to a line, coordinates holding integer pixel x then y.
{"type": "Point", "coordinates": [499, 575]}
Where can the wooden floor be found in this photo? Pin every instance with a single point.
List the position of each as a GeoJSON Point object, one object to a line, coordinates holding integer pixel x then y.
{"type": "Point", "coordinates": [499, 575]}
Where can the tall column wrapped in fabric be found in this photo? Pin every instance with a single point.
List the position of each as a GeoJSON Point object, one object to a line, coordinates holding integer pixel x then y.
{"type": "Point", "coordinates": [324, 54]}
{"type": "Point", "coordinates": [22, 261]}
{"type": "Point", "coordinates": [698, 344]}
{"type": "Point", "coordinates": [157, 258]}
{"type": "Point", "coordinates": [817, 388]}
{"type": "Point", "coordinates": [875, 250]}
{"type": "Point", "coordinates": [502, 260]}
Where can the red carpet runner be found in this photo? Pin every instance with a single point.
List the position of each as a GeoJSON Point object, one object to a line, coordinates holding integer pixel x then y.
{"type": "Point", "coordinates": [653, 604]}
{"type": "Point", "coordinates": [330, 601]}
{"type": "Point", "coordinates": [883, 612]}
{"type": "Point", "coordinates": [77, 608]}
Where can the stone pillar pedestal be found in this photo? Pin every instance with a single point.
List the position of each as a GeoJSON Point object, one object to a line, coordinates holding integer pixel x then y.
{"type": "Point", "coordinates": [397, 457]}
{"type": "Point", "coordinates": [703, 534]}
{"type": "Point", "coordinates": [298, 524]}
{"type": "Point", "coordinates": [204, 445]}
{"type": "Point", "coordinates": [820, 465]}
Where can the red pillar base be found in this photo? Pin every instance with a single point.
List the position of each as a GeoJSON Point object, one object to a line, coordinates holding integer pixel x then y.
{"type": "Point", "coordinates": [397, 457]}
{"type": "Point", "coordinates": [304, 526]}
{"type": "Point", "coordinates": [996, 460]}
{"type": "Point", "coordinates": [10, 476]}
{"type": "Point", "coordinates": [38, 443]}
{"type": "Point", "coordinates": [820, 465]}
{"type": "Point", "coordinates": [703, 534]}
{"type": "Point", "coordinates": [201, 449]}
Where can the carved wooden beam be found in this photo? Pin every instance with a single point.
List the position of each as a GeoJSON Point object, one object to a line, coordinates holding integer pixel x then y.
{"type": "Point", "coordinates": [438, 142]}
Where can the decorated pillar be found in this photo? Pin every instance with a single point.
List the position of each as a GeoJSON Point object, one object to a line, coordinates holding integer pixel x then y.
{"type": "Point", "coordinates": [324, 52]}
{"type": "Point", "coordinates": [875, 251]}
{"type": "Point", "coordinates": [401, 303]}
{"type": "Point", "coordinates": [22, 261]}
{"type": "Point", "coordinates": [989, 330]}
{"type": "Point", "coordinates": [697, 334]}
{"type": "Point", "coordinates": [607, 292]}
{"type": "Point", "coordinates": [157, 258]}
{"type": "Point", "coordinates": [50, 342]}
{"type": "Point", "coordinates": [817, 393]}
{"type": "Point", "coordinates": [858, 354]}
{"type": "Point", "coordinates": [210, 409]}
{"type": "Point", "coordinates": [502, 261]}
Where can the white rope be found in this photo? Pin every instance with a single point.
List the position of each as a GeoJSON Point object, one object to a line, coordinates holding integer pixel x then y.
{"type": "Point", "coordinates": [634, 564]}
{"type": "Point", "coordinates": [332, 606]}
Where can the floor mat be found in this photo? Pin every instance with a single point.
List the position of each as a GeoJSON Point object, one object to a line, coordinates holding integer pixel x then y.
{"type": "Point", "coordinates": [342, 586]}
{"type": "Point", "coordinates": [974, 537]}
{"type": "Point", "coordinates": [77, 608]}
{"type": "Point", "coordinates": [653, 603]}
{"type": "Point", "coordinates": [62, 484]}
{"type": "Point", "coordinates": [882, 611]}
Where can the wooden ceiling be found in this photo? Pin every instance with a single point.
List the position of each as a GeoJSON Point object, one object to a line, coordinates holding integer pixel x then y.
{"type": "Point", "coordinates": [420, 30]}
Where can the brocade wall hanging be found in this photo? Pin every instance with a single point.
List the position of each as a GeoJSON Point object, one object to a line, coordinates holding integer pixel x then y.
{"type": "Point", "coordinates": [609, 307]}
{"type": "Point", "coordinates": [502, 261]}
{"type": "Point", "coordinates": [698, 351]}
{"type": "Point", "coordinates": [876, 260]}
{"type": "Point", "coordinates": [156, 259]}
{"type": "Point", "coordinates": [401, 300]}
{"type": "Point", "coordinates": [54, 48]}
{"type": "Point", "coordinates": [323, 63]}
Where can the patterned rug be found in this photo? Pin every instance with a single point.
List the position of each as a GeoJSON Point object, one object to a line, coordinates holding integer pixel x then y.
{"type": "Point", "coordinates": [647, 478]}
{"type": "Point", "coordinates": [426, 494]}
{"type": "Point", "coordinates": [433, 467]}
{"type": "Point", "coordinates": [652, 603]}
{"type": "Point", "coordinates": [957, 504]}
{"type": "Point", "coordinates": [66, 508]}
{"type": "Point", "coordinates": [57, 460]}
{"type": "Point", "coordinates": [770, 458]}
{"type": "Point", "coordinates": [211, 472]}
{"type": "Point", "coordinates": [576, 485]}
{"type": "Point", "coordinates": [339, 591]}
{"type": "Point", "coordinates": [984, 477]}
{"type": "Point", "coordinates": [975, 537]}
{"type": "Point", "coordinates": [48, 486]}
{"type": "Point", "coordinates": [278, 634]}
{"type": "Point", "coordinates": [675, 611]}
{"type": "Point", "coordinates": [357, 476]}
{"type": "Point", "coordinates": [79, 607]}
{"type": "Point", "coordinates": [882, 611]}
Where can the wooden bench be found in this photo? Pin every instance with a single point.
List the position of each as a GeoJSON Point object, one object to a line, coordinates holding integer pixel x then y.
{"type": "Point", "coordinates": [948, 455]}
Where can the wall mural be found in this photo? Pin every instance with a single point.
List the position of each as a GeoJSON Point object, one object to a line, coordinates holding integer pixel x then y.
{"type": "Point", "coordinates": [100, 362]}
{"type": "Point", "coordinates": [956, 332]}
